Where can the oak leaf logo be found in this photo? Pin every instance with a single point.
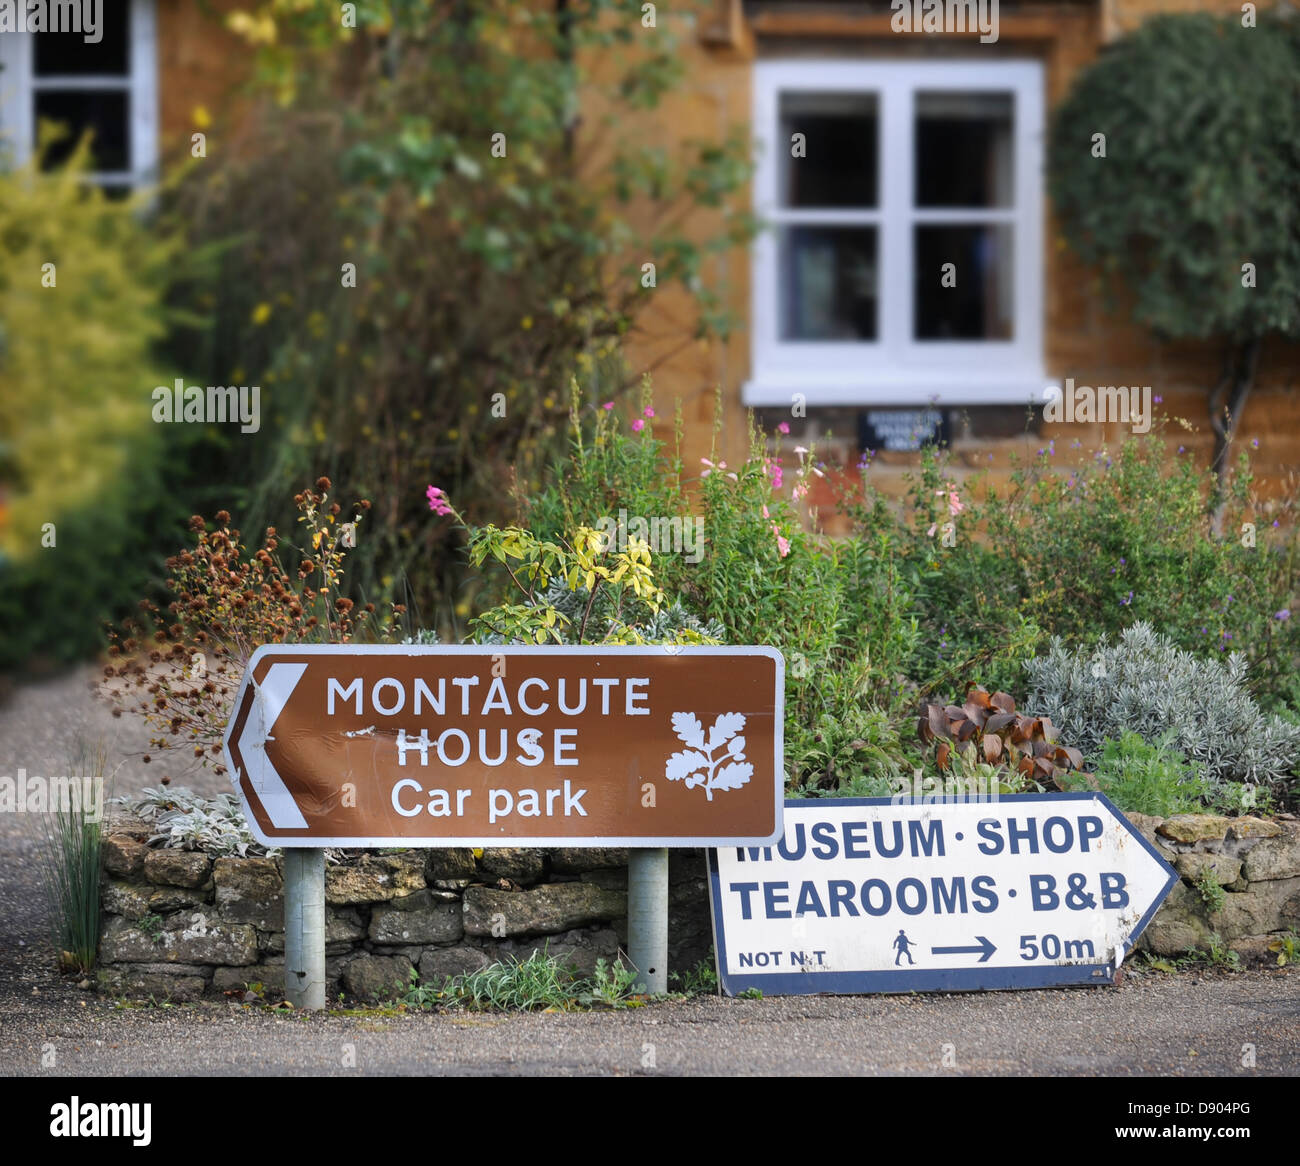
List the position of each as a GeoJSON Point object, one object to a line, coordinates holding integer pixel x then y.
{"type": "Point", "coordinates": [717, 763]}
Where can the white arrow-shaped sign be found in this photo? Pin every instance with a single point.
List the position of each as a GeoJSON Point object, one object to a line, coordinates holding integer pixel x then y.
{"type": "Point", "coordinates": [898, 896]}
{"type": "Point", "coordinates": [269, 698]}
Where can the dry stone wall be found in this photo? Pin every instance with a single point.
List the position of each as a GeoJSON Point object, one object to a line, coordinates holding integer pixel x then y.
{"type": "Point", "coordinates": [1256, 864]}
{"type": "Point", "coordinates": [182, 925]}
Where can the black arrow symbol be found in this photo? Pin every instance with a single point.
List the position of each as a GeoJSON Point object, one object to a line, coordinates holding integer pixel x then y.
{"type": "Point", "coordinates": [983, 946]}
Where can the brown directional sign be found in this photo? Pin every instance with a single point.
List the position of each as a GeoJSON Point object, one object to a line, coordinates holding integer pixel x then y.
{"type": "Point", "coordinates": [338, 745]}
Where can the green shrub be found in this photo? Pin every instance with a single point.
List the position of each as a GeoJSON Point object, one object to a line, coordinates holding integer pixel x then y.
{"type": "Point", "coordinates": [487, 172]}
{"type": "Point", "coordinates": [875, 622]}
{"type": "Point", "coordinates": [1081, 547]}
{"type": "Point", "coordinates": [837, 609]}
{"type": "Point", "coordinates": [84, 503]}
{"type": "Point", "coordinates": [1143, 777]}
{"type": "Point", "coordinates": [1145, 684]}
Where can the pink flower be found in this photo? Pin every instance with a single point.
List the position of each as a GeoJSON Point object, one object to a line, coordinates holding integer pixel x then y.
{"type": "Point", "coordinates": [783, 545]}
{"type": "Point", "coordinates": [438, 501]}
{"type": "Point", "coordinates": [638, 425]}
{"type": "Point", "coordinates": [955, 506]}
{"type": "Point", "coordinates": [649, 412]}
{"type": "Point", "coordinates": [784, 427]}
{"type": "Point", "coordinates": [765, 513]}
{"type": "Point", "coordinates": [607, 406]}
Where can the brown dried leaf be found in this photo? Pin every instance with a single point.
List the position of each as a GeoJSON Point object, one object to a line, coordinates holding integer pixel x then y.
{"type": "Point", "coordinates": [992, 748]}
{"type": "Point", "coordinates": [964, 730]}
{"type": "Point", "coordinates": [998, 721]}
{"type": "Point", "coordinates": [1003, 701]}
{"type": "Point", "coordinates": [1026, 729]}
{"type": "Point", "coordinates": [941, 755]}
{"type": "Point", "coordinates": [1072, 755]}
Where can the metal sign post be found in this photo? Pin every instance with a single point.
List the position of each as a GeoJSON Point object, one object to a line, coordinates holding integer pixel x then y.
{"type": "Point", "coordinates": [304, 928]}
{"type": "Point", "coordinates": [647, 918]}
{"type": "Point", "coordinates": [464, 745]}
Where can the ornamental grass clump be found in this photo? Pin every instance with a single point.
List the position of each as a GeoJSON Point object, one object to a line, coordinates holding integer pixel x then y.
{"type": "Point", "coordinates": [70, 858]}
{"type": "Point", "coordinates": [1144, 683]}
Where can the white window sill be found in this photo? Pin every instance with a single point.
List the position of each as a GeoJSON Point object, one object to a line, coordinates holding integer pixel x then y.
{"type": "Point", "coordinates": [945, 389]}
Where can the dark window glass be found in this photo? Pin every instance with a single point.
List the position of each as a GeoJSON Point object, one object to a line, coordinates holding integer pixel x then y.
{"type": "Point", "coordinates": [836, 162]}
{"type": "Point", "coordinates": [979, 306]}
{"type": "Point", "coordinates": [104, 113]}
{"type": "Point", "coordinates": [964, 149]}
{"type": "Point", "coordinates": [64, 54]}
{"type": "Point", "coordinates": [829, 283]}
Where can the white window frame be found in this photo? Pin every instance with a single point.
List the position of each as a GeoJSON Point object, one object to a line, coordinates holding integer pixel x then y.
{"type": "Point", "coordinates": [896, 368]}
{"type": "Point", "coordinates": [19, 86]}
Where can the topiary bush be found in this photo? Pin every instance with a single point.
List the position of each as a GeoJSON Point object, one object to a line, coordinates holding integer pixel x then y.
{"type": "Point", "coordinates": [1145, 684]}
{"type": "Point", "coordinates": [1173, 165]}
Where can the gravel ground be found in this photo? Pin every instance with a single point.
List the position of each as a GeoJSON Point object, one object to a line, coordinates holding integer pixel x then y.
{"type": "Point", "coordinates": [1190, 1024]}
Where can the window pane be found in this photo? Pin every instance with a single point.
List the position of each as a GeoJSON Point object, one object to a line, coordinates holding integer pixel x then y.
{"type": "Point", "coordinates": [977, 303]}
{"type": "Point", "coordinates": [964, 149]}
{"type": "Point", "coordinates": [60, 54]}
{"type": "Point", "coordinates": [828, 283]}
{"type": "Point", "coordinates": [834, 164]}
{"type": "Point", "coordinates": [103, 112]}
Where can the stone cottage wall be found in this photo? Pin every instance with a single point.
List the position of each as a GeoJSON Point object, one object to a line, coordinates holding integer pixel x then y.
{"type": "Point", "coordinates": [182, 925]}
